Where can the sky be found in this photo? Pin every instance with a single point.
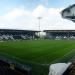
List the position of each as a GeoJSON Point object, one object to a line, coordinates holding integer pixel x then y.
{"type": "Point", "coordinates": [23, 14]}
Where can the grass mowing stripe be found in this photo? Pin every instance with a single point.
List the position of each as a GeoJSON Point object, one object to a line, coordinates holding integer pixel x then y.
{"type": "Point", "coordinates": [66, 58]}
{"type": "Point", "coordinates": [36, 52]}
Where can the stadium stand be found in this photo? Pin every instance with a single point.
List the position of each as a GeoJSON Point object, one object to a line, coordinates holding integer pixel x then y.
{"type": "Point", "coordinates": [60, 34]}
{"type": "Point", "coordinates": [12, 34]}
{"type": "Point", "coordinates": [69, 13]}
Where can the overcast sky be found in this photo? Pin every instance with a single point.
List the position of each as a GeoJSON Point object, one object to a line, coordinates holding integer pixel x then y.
{"type": "Point", "coordinates": [23, 14]}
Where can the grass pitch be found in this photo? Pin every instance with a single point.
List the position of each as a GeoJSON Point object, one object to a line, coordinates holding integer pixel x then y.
{"type": "Point", "coordinates": [39, 52]}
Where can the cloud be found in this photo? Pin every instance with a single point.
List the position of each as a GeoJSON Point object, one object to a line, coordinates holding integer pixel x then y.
{"type": "Point", "coordinates": [15, 13]}
{"type": "Point", "coordinates": [39, 11]}
{"type": "Point", "coordinates": [20, 18]}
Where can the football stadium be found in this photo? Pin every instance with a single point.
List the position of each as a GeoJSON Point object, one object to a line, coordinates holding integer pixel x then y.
{"type": "Point", "coordinates": [25, 52]}
{"type": "Point", "coordinates": [35, 55]}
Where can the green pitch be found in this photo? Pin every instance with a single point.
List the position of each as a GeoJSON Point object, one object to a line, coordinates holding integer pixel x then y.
{"type": "Point", "coordinates": [39, 52]}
